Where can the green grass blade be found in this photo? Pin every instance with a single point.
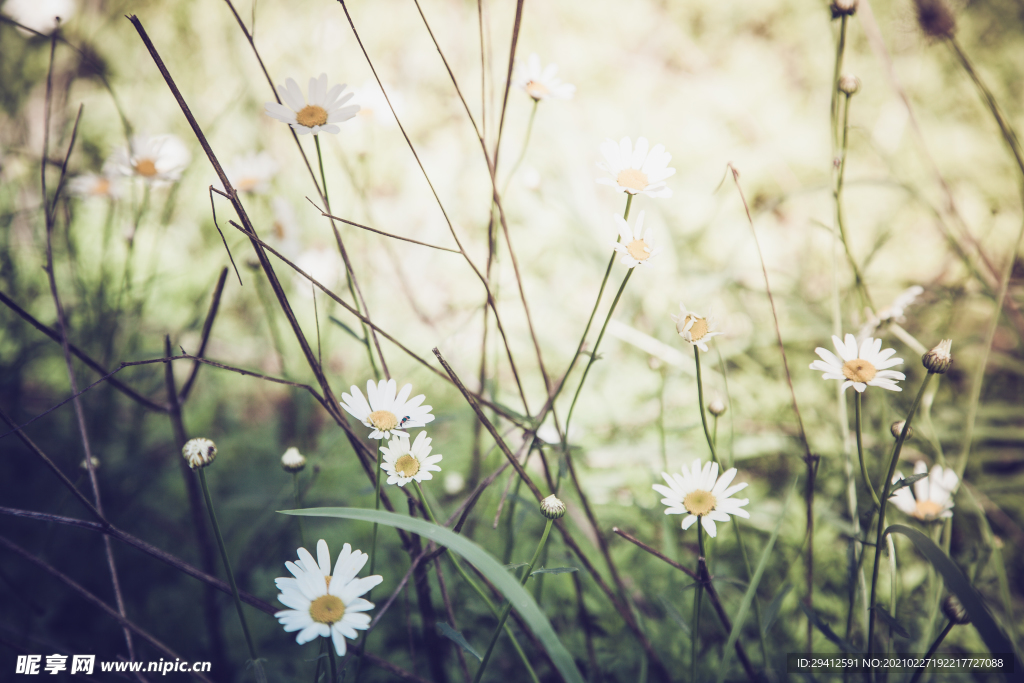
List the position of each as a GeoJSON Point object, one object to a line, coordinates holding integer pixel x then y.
{"type": "Point", "coordinates": [457, 638]}
{"type": "Point", "coordinates": [554, 570]}
{"type": "Point", "coordinates": [772, 613]}
{"type": "Point", "coordinates": [498, 575]}
{"type": "Point", "coordinates": [748, 597]}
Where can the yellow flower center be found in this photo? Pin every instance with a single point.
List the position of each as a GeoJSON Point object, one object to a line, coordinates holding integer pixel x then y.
{"type": "Point", "coordinates": [145, 167]}
{"type": "Point", "coordinates": [101, 188]}
{"type": "Point", "coordinates": [384, 420]}
{"type": "Point", "coordinates": [699, 328]}
{"type": "Point", "coordinates": [311, 115]}
{"type": "Point", "coordinates": [699, 502]}
{"type": "Point", "coordinates": [633, 179]}
{"type": "Point", "coordinates": [638, 250]}
{"type": "Point", "coordinates": [407, 465]}
{"type": "Point", "coordinates": [327, 609]}
{"type": "Point", "coordinates": [859, 370]}
{"type": "Point", "coordinates": [927, 510]}
{"type": "Point", "coordinates": [537, 90]}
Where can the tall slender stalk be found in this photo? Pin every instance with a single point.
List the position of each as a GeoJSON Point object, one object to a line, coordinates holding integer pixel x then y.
{"type": "Point", "coordinates": [703, 414]}
{"type": "Point", "coordinates": [373, 549]}
{"type": "Point", "coordinates": [860, 451]}
{"type": "Point", "coordinates": [698, 595]}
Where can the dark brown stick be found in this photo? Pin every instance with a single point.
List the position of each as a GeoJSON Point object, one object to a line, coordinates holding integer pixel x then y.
{"type": "Point", "coordinates": [207, 328]}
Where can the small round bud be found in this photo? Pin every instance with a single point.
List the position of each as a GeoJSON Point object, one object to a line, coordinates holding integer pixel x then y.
{"type": "Point", "coordinates": [843, 8]}
{"type": "Point", "coordinates": [716, 407]}
{"type": "Point", "coordinates": [897, 428]}
{"type": "Point", "coordinates": [935, 18]}
{"type": "Point", "coordinates": [552, 508]}
{"type": "Point", "coordinates": [85, 466]}
{"type": "Point", "coordinates": [848, 84]}
{"type": "Point", "coordinates": [955, 611]}
{"type": "Point", "coordinates": [939, 359]}
{"type": "Point", "coordinates": [199, 452]}
{"type": "Point", "coordinates": [292, 460]}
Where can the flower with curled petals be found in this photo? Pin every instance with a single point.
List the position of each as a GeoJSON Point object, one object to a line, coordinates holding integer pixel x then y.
{"type": "Point", "coordinates": [385, 412]}
{"type": "Point", "coordinates": [933, 495]}
{"type": "Point", "coordinates": [694, 329]}
{"type": "Point", "coordinates": [859, 368]}
{"type": "Point", "coordinates": [701, 494]}
{"type": "Point", "coordinates": [635, 245]}
{"type": "Point", "coordinates": [324, 108]}
{"type": "Point", "coordinates": [540, 82]}
{"type": "Point", "coordinates": [636, 170]}
{"type": "Point", "coordinates": [322, 603]}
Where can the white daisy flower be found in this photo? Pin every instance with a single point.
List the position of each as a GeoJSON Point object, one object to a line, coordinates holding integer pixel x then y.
{"type": "Point", "coordinates": [39, 15]}
{"type": "Point", "coordinates": [405, 463]}
{"type": "Point", "coordinates": [385, 412]}
{"type": "Point", "coordinates": [252, 172]}
{"type": "Point", "coordinates": [325, 107]}
{"type": "Point", "coordinates": [95, 185]}
{"type": "Point", "coordinates": [859, 369]}
{"type": "Point", "coordinates": [933, 495]}
{"type": "Point", "coordinates": [325, 604]}
{"type": "Point", "coordinates": [701, 494]}
{"type": "Point", "coordinates": [636, 246]}
{"type": "Point", "coordinates": [636, 171]}
{"type": "Point", "coordinates": [157, 159]}
{"type": "Point", "coordinates": [540, 83]}
{"type": "Point", "coordinates": [694, 329]}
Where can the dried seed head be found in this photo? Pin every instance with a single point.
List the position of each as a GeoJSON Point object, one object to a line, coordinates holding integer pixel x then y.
{"type": "Point", "coordinates": [292, 460]}
{"type": "Point", "coordinates": [955, 611]}
{"type": "Point", "coordinates": [199, 452]}
{"type": "Point", "coordinates": [716, 407]}
{"type": "Point", "coordinates": [849, 84]}
{"type": "Point", "coordinates": [843, 8]}
{"type": "Point", "coordinates": [939, 359]}
{"type": "Point", "coordinates": [935, 18]}
{"type": "Point", "coordinates": [552, 508]}
{"type": "Point", "coordinates": [897, 428]}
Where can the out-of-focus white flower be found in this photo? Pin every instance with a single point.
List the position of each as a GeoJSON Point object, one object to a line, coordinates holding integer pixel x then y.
{"type": "Point", "coordinates": [95, 185]}
{"type": "Point", "coordinates": [321, 264]}
{"type": "Point", "coordinates": [933, 495]}
{"type": "Point", "coordinates": [373, 106]}
{"type": "Point", "coordinates": [636, 246]}
{"type": "Point", "coordinates": [387, 413]}
{"type": "Point", "coordinates": [894, 312]}
{"type": "Point", "coordinates": [540, 82]}
{"type": "Point", "coordinates": [325, 604]}
{"type": "Point", "coordinates": [701, 495]}
{"type": "Point", "coordinates": [636, 170]}
{"type": "Point", "coordinates": [454, 483]}
{"type": "Point", "coordinates": [157, 159]}
{"type": "Point", "coordinates": [859, 368]}
{"type": "Point", "coordinates": [693, 328]}
{"type": "Point", "coordinates": [325, 107]}
{"type": "Point", "coordinates": [252, 172]}
{"type": "Point", "coordinates": [404, 462]}
{"type": "Point", "coordinates": [39, 15]}
{"type": "Point", "coordinates": [530, 178]}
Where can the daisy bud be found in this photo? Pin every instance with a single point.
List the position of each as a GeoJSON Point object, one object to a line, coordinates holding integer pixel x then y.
{"type": "Point", "coordinates": [199, 452]}
{"type": "Point", "coordinates": [85, 466]}
{"type": "Point", "coordinates": [292, 460]}
{"type": "Point", "coordinates": [716, 407]}
{"type": "Point", "coordinates": [955, 611]}
{"type": "Point", "coordinates": [897, 428]}
{"type": "Point", "coordinates": [843, 8]}
{"type": "Point", "coordinates": [552, 508]}
{"type": "Point", "coordinates": [935, 19]}
{"type": "Point", "coordinates": [849, 84]}
{"type": "Point", "coordinates": [939, 359]}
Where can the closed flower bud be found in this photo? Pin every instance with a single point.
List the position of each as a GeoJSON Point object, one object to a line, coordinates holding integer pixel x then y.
{"type": "Point", "coordinates": [85, 466]}
{"type": "Point", "coordinates": [897, 428]}
{"type": "Point", "coordinates": [716, 407]}
{"type": "Point", "coordinates": [552, 508]}
{"type": "Point", "coordinates": [935, 18]}
{"type": "Point", "coordinates": [849, 84]}
{"type": "Point", "coordinates": [843, 8]}
{"type": "Point", "coordinates": [955, 611]}
{"type": "Point", "coordinates": [199, 452]}
{"type": "Point", "coordinates": [939, 359]}
{"type": "Point", "coordinates": [292, 460]}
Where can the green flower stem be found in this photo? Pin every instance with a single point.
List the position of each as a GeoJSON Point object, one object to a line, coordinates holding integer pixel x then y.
{"type": "Point", "coordinates": [373, 554]}
{"type": "Point", "coordinates": [840, 49]}
{"type": "Point", "coordinates": [508, 605]}
{"type": "Point", "coordinates": [510, 526]}
{"type": "Point", "coordinates": [931, 650]}
{"type": "Point", "coordinates": [703, 414]}
{"type": "Point", "coordinates": [476, 587]}
{"type": "Point", "coordinates": [298, 506]}
{"type": "Point", "coordinates": [886, 489]}
{"type": "Point", "coordinates": [698, 595]}
{"type": "Point", "coordinates": [860, 452]}
{"type": "Point", "coordinates": [227, 567]}
{"type": "Point", "coordinates": [334, 663]}
{"type": "Point", "coordinates": [319, 660]}
{"type": "Point", "coordinates": [522, 153]}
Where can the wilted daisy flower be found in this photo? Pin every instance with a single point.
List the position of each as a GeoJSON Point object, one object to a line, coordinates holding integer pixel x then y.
{"type": "Point", "coordinates": [894, 312]}
{"type": "Point", "coordinates": [157, 159]}
{"type": "Point", "coordinates": [325, 107]}
{"type": "Point", "coordinates": [859, 369]}
{"type": "Point", "coordinates": [701, 494]}
{"type": "Point", "coordinates": [540, 82]}
{"type": "Point", "coordinates": [385, 412]}
{"type": "Point", "coordinates": [636, 246]}
{"type": "Point", "coordinates": [405, 463]}
{"type": "Point", "coordinates": [636, 171]}
{"type": "Point", "coordinates": [252, 172]}
{"type": "Point", "coordinates": [933, 495]}
{"type": "Point", "coordinates": [94, 185]}
{"type": "Point", "coordinates": [693, 328]}
{"type": "Point", "coordinates": [325, 604]}
{"type": "Point", "coordinates": [39, 15]}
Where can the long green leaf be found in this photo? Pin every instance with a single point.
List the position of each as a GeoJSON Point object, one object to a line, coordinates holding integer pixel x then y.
{"type": "Point", "coordinates": [958, 584]}
{"type": "Point", "coordinates": [827, 631]}
{"type": "Point", "coordinates": [748, 597]}
{"type": "Point", "coordinates": [772, 613]}
{"type": "Point", "coordinates": [457, 638]}
{"type": "Point", "coordinates": [502, 578]}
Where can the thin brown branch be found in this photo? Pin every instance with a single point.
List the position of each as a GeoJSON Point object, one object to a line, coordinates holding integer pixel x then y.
{"type": "Point", "coordinates": [205, 336]}
{"type": "Point", "coordinates": [380, 232]}
{"type": "Point", "coordinates": [640, 544]}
